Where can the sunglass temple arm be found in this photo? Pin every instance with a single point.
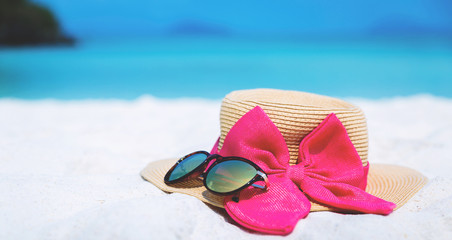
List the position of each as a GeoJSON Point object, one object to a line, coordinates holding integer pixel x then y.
{"type": "Point", "coordinates": [235, 198]}
{"type": "Point", "coordinates": [264, 176]}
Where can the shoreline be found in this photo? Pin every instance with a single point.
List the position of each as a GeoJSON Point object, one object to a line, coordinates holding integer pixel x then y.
{"type": "Point", "coordinates": [195, 99]}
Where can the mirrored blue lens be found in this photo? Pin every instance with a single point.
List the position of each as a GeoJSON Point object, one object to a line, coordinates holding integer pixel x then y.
{"type": "Point", "coordinates": [229, 176]}
{"type": "Point", "coordinates": [187, 165]}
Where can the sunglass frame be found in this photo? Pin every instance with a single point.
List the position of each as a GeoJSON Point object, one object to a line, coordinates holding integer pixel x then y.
{"type": "Point", "coordinates": [203, 171]}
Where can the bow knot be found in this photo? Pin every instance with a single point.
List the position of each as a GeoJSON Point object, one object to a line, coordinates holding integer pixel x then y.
{"type": "Point", "coordinates": [295, 173]}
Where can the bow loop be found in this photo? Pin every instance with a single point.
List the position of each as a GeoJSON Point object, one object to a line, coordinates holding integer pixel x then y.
{"type": "Point", "coordinates": [255, 137]}
{"type": "Point", "coordinates": [329, 155]}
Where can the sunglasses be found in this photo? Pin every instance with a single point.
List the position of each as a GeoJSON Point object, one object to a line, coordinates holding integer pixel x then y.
{"type": "Point", "coordinates": [220, 175]}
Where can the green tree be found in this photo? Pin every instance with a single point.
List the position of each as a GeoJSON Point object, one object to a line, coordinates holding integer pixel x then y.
{"type": "Point", "coordinates": [24, 23]}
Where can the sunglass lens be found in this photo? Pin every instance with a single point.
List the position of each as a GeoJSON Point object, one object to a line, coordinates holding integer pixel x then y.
{"type": "Point", "coordinates": [187, 165]}
{"type": "Point", "coordinates": [229, 176]}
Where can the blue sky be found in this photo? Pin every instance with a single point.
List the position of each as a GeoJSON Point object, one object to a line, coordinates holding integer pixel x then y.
{"type": "Point", "coordinates": [92, 18]}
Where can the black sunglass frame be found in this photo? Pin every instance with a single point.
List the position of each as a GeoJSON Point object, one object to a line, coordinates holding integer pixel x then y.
{"type": "Point", "coordinates": [201, 171]}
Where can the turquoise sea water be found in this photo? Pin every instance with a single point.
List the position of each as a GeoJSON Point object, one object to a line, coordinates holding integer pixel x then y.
{"type": "Point", "coordinates": [210, 68]}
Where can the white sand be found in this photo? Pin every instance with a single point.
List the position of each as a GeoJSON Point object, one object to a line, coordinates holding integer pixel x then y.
{"type": "Point", "coordinates": [70, 170]}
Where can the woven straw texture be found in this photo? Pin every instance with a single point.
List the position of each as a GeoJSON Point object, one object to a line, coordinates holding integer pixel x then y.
{"type": "Point", "coordinates": [389, 182]}
{"type": "Point", "coordinates": [295, 114]}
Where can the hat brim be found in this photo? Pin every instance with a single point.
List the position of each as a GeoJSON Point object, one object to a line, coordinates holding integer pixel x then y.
{"type": "Point", "coordinates": [392, 183]}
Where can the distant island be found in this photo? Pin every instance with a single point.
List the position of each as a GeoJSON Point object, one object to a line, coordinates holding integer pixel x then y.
{"type": "Point", "coordinates": [25, 23]}
{"type": "Point", "coordinates": [190, 27]}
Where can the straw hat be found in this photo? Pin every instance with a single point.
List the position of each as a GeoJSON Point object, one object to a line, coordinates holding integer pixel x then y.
{"type": "Point", "coordinates": [296, 114]}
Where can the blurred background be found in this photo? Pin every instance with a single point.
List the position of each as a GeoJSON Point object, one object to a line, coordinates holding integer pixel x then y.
{"type": "Point", "coordinates": [66, 49]}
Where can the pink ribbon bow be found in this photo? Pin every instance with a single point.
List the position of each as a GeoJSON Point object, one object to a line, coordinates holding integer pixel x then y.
{"type": "Point", "coordinates": [329, 171]}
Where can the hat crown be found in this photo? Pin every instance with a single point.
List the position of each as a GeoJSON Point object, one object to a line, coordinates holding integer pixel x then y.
{"type": "Point", "coordinates": [295, 114]}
